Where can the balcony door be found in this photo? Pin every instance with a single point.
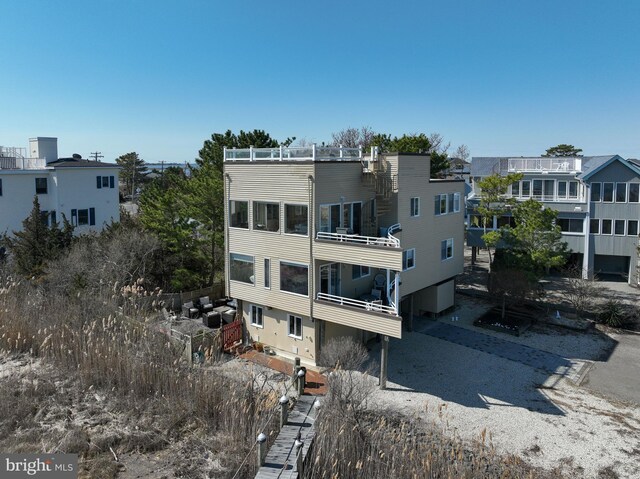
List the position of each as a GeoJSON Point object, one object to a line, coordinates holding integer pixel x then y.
{"type": "Point", "coordinates": [329, 218]}
{"type": "Point", "coordinates": [330, 279]}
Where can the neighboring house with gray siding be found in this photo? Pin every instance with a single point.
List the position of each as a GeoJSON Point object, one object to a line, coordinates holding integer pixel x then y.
{"type": "Point", "coordinates": [597, 199]}
{"type": "Point", "coordinates": [324, 242]}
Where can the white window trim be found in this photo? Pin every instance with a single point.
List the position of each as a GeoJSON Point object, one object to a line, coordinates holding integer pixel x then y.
{"type": "Point", "coordinates": [407, 256]}
{"type": "Point", "coordinates": [284, 219]}
{"type": "Point", "coordinates": [279, 280]}
{"type": "Point", "coordinates": [452, 249]}
{"type": "Point", "coordinates": [456, 197]}
{"type": "Point", "coordinates": [254, 269]}
{"type": "Point", "coordinates": [626, 192]}
{"type": "Point", "coordinates": [599, 226]}
{"type": "Point", "coordinates": [251, 318]}
{"type": "Point", "coordinates": [280, 214]}
{"type": "Point", "coordinates": [293, 317]}
{"type": "Point", "coordinates": [637, 228]}
{"type": "Point", "coordinates": [264, 273]}
{"type": "Point", "coordinates": [624, 228]}
{"type": "Point", "coordinates": [249, 219]}
{"type": "Point", "coordinates": [613, 192]}
{"type": "Point", "coordinates": [602, 226]}
{"type": "Point", "coordinates": [629, 191]}
{"type": "Point", "coordinates": [591, 191]}
{"type": "Point", "coordinates": [411, 204]}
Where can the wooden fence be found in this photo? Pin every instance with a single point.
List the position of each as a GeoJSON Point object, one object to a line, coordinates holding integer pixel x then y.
{"type": "Point", "coordinates": [231, 334]}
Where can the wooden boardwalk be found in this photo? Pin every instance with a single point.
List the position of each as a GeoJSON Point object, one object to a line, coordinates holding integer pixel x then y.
{"type": "Point", "coordinates": [280, 461]}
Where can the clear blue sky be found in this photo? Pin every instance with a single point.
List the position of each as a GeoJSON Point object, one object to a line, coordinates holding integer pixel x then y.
{"type": "Point", "coordinates": [507, 77]}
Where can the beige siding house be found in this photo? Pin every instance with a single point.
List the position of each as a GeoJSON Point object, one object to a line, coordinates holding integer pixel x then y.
{"type": "Point", "coordinates": [327, 242]}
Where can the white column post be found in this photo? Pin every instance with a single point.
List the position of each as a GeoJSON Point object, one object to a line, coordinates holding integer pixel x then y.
{"type": "Point", "coordinates": [313, 151]}
{"type": "Point", "coordinates": [251, 153]}
{"type": "Point", "coordinates": [281, 152]}
{"type": "Point", "coordinates": [397, 293]}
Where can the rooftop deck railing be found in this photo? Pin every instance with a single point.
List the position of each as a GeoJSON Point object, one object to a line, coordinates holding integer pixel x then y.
{"type": "Point", "coordinates": [555, 165]}
{"type": "Point", "coordinates": [294, 153]}
{"type": "Point", "coordinates": [376, 306]}
{"type": "Point", "coordinates": [22, 163]}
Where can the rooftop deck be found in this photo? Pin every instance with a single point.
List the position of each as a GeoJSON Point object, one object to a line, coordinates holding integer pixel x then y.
{"type": "Point", "coordinates": [13, 158]}
{"type": "Point", "coordinates": [282, 153]}
{"type": "Point", "coordinates": [536, 165]}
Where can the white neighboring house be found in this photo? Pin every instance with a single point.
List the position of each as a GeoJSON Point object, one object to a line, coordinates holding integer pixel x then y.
{"type": "Point", "coordinates": [84, 191]}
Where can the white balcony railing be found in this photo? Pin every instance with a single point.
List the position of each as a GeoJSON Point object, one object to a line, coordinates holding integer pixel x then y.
{"type": "Point", "coordinates": [22, 163]}
{"type": "Point", "coordinates": [390, 241]}
{"type": "Point", "coordinates": [291, 153]}
{"type": "Point", "coordinates": [375, 306]}
{"type": "Point", "coordinates": [557, 165]}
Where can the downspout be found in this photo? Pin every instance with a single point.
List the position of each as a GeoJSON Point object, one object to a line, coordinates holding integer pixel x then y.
{"type": "Point", "coordinates": [311, 228]}
{"type": "Point", "coordinates": [586, 255]}
{"type": "Point", "coordinates": [227, 186]}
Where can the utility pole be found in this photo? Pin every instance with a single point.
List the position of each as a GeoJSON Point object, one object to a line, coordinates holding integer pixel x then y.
{"type": "Point", "coordinates": [96, 154]}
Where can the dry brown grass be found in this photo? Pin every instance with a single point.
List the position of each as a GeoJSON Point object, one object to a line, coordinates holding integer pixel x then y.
{"type": "Point", "coordinates": [101, 345]}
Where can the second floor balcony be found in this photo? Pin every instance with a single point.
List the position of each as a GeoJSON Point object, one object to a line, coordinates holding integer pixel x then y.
{"type": "Point", "coordinates": [291, 153]}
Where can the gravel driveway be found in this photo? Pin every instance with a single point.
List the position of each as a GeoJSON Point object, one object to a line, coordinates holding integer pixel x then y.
{"type": "Point", "coordinates": [467, 390]}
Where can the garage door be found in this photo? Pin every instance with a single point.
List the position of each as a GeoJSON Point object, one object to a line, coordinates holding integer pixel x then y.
{"type": "Point", "coordinates": [611, 264]}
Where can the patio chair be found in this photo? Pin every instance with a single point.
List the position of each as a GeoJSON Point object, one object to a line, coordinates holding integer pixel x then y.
{"type": "Point", "coordinates": [379, 281]}
{"type": "Point", "coordinates": [189, 310]}
{"type": "Point", "coordinates": [205, 305]}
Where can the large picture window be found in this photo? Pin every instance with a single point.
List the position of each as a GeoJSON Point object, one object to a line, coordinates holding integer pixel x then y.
{"type": "Point", "coordinates": [296, 219]}
{"type": "Point", "coordinates": [294, 278]}
{"type": "Point", "coordinates": [571, 225]}
{"type": "Point", "coordinates": [239, 214]}
{"type": "Point", "coordinates": [266, 216]}
{"type": "Point", "coordinates": [241, 268]}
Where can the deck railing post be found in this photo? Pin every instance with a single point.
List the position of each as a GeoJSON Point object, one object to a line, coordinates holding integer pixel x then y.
{"type": "Point", "coordinates": [251, 153]}
{"type": "Point", "coordinates": [261, 447]}
{"type": "Point", "coordinates": [299, 444]}
{"type": "Point", "coordinates": [301, 381]}
{"type": "Point", "coordinates": [284, 410]}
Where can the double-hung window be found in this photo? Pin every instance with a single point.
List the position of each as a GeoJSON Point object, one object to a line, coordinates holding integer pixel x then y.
{"type": "Point", "coordinates": [83, 217]}
{"type": "Point", "coordinates": [440, 204]}
{"type": "Point", "coordinates": [634, 193]}
{"type": "Point", "coordinates": [456, 202]}
{"type": "Point", "coordinates": [596, 191]}
{"type": "Point", "coordinates": [41, 186]}
{"type": "Point", "coordinates": [621, 192]}
{"type": "Point", "coordinates": [256, 316]}
{"type": "Point", "coordinates": [415, 206]}
{"type": "Point", "coordinates": [409, 259]}
{"type": "Point", "coordinates": [295, 326]}
{"type": "Point", "coordinates": [105, 182]}
{"type": "Point", "coordinates": [446, 249]}
{"type": "Point", "coordinates": [607, 192]}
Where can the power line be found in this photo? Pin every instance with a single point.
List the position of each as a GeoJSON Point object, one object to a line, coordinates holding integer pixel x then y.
{"type": "Point", "coordinates": [96, 155]}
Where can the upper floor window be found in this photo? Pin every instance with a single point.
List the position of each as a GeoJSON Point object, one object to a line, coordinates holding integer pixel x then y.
{"type": "Point", "coordinates": [621, 192]}
{"type": "Point", "coordinates": [0, 186]}
{"type": "Point", "coordinates": [596, 191]}
{"type": "Point", "coordinates": [267, 273]}
{"type": "Point", "coordinates": [570, 225]}
{"type": "Point", "coordinates": [296, 219]}
{"type": "Point", "coordinates": [456, 202]}
{"type": "Point", "coordinates": [415, 206]}
{"type": "Point", "coordinates": [526, 189]}
{"type": "Point", "coordinates": [441, 204]}
{"type": "Point", "coordinates": [607, 192]}
{"type": "Point", "coordinates": [294, 278]}
{"type": "Point", "coordinates": [634, 192]}
{"type": "Point", "coordinates": [618, 227]}
{"type": "Point", "coordinates": [239, 214]}
{"type": "Point", "coordinates": [266, 216]}
{"type": "Point", "coordinates": [607, 226]}
{"type": "Point", "coordinates": [446, 249]}
{"type": "Point", "coordinates": [594, 226]}
{"type": "Point", "coordinates": [241, 268]}
{"type": "Point", "coordinates": [632, 227]}
{"type": "Point", "coordinates": [408, 259]}
{"type": "Point", "coordinates": [41, 186]}
{"type": "Point", "coordinates": [105, 182]}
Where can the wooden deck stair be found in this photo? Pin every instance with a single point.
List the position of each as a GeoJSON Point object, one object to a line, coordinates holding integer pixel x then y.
{"type": "Point", "coordinates": [280, 461]}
